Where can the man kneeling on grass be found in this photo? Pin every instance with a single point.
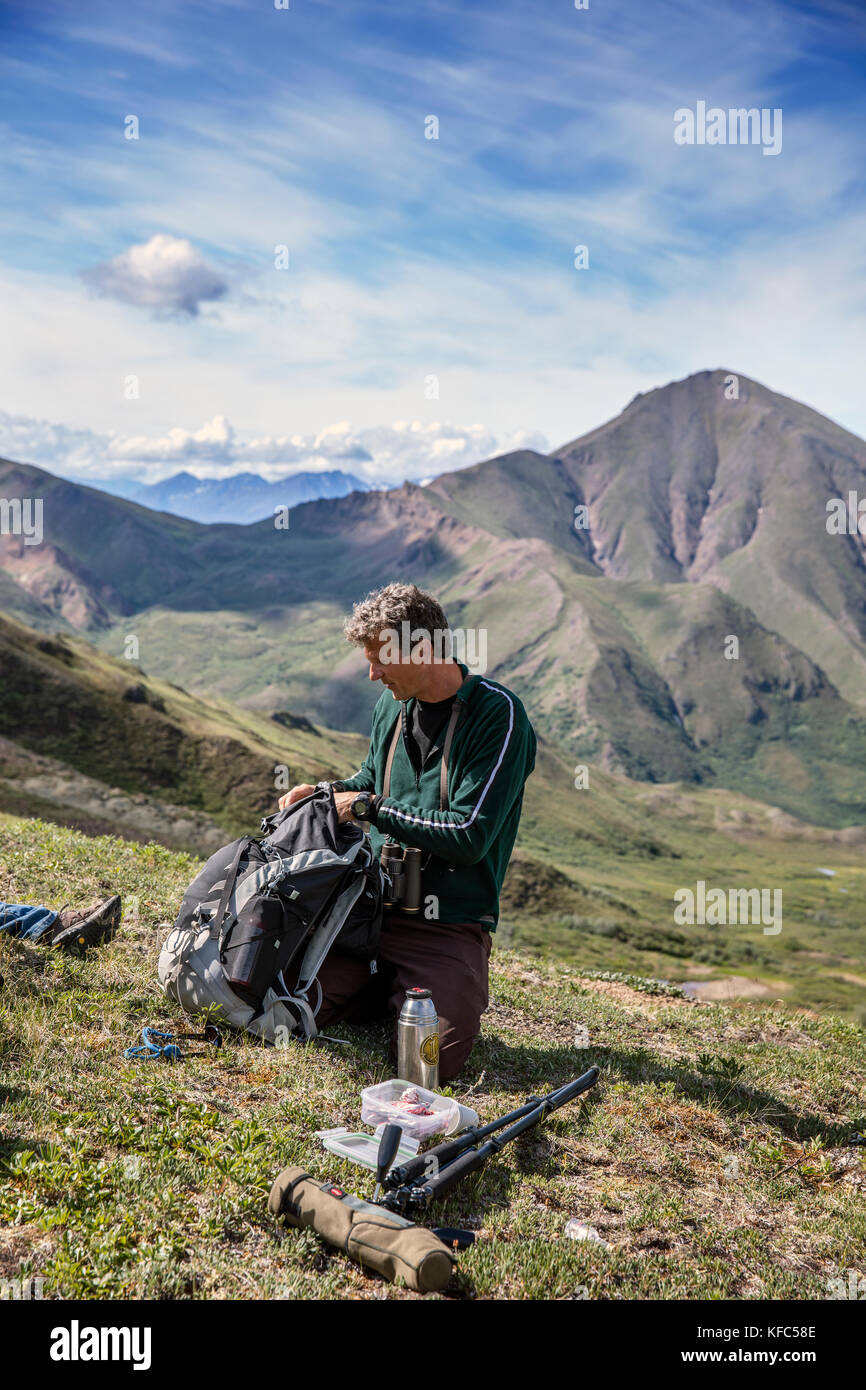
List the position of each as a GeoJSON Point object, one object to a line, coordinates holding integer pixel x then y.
{"type": "Point", "coordinates": [464, 821]}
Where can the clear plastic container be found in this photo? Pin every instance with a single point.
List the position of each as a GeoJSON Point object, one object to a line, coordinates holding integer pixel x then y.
{"type": "Point", "coordinates": [384, 1104]}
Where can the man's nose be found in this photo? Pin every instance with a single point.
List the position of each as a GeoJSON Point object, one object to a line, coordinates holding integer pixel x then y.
{"type": "Point", "coordinates": [376, 672]}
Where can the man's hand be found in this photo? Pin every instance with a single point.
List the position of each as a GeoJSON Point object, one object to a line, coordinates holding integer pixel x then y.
{"type": "Point", "coordinates": [296, 794]}
{"type": "Point", "coordinates": [343, 802]}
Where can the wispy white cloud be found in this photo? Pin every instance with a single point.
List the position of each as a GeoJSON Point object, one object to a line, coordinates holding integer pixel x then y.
{"type": "Point", "coordinates": [382, 455]}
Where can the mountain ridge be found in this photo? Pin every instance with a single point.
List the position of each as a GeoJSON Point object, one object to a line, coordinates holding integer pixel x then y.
{"type": "Point", "coordinates": [705, 528]}
{"type": "Point", "coordinates": [239, 499]}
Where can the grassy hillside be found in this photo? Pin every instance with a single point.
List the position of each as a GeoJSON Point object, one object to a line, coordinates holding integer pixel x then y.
{"type": "Point", "coordinates": [634, 675]}
{"type": "Point", "coordinates": [598, 868]}
{"type": "Point", "coordinates": [713, 1158]}
{"type": "Point", "coordinates": [61, 698]}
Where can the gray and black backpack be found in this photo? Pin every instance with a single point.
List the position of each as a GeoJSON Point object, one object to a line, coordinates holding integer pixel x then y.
{"type": "Point", "coordinates": [261, 906]}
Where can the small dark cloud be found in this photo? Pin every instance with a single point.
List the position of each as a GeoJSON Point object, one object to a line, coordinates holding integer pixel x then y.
{"type": "Point", "coordinates": [166, 274]}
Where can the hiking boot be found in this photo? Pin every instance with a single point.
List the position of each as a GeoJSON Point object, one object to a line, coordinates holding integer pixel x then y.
{"type": "Point", "coordinates": [75, 930]}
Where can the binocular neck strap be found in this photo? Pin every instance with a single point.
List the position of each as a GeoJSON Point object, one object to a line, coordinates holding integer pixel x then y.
{"type": "Point", "coordinates": [395, 739]}
{"type": "Point", "coordinates": [446, 753]}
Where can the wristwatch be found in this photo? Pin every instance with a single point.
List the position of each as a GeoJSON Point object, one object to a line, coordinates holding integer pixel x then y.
{"type": "Point", "coordinates": [361, 806]}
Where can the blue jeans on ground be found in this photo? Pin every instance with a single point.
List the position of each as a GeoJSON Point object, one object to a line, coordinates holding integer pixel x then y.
{"type": "Point", "coordinates": [29, 922]}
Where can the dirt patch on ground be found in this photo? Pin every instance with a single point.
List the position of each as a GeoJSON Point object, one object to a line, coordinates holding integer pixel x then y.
{"type": "Point", "coordinates": [734, 987]}
{"type": "Point", "coordinates": [19, 1244]}
{"type": "Point", "coordinates": [635, 998]}
{"type": "Point", "coordinates": [612, 989]}
{"type": "Point", "coordinates": [516, 1021]}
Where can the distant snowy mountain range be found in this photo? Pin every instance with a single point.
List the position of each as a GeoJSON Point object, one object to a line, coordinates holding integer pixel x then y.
{"type": "Point", "coordinates": [242, 498]}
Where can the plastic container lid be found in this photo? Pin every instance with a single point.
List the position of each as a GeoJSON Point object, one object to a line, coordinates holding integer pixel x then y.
{"type": "Point", "coordinates": [364, 1148]}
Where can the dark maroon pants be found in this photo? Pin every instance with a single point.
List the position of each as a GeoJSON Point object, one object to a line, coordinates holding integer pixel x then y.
{"type": "Point", "coordinates": [448, 959]}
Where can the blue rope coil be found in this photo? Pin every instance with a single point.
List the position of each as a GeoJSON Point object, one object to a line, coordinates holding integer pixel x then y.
{"type": "Point", "coordinates": [157, 1046]}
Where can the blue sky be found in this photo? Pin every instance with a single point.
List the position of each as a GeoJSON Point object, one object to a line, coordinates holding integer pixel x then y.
{"type": "Point", "coordinates": [431, 312]}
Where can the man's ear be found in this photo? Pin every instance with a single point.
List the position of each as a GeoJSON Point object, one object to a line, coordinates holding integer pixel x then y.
{"type": "Point", "coordinates": [422, 650]}
{"type": "Point", "coordinates": [389, 653]}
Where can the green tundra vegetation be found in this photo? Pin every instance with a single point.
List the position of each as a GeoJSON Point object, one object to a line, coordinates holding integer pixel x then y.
{"type": "Point", "coordinates": [713, 1159]}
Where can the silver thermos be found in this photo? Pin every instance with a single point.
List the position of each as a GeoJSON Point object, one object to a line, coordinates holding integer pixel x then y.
{"type": "Point", "coordinates": [418, 1040]}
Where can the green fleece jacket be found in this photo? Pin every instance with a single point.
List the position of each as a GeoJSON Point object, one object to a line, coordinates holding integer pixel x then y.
{"type": "Point", "coordinates": [492, 754]}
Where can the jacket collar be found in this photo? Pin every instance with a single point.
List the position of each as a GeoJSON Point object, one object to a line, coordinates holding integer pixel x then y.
{"type": "Point", "coordinates": [470, 683]}
{"type": "Point", "coordinates": [463, 692]}
{"type": "Point", "coordinates": [463, 695]}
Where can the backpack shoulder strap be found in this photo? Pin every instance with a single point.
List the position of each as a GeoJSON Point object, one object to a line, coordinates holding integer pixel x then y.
{"type": "Point", "coordinates": [216, 925]}
{"type": "Point", "coordinates": [318, 946]}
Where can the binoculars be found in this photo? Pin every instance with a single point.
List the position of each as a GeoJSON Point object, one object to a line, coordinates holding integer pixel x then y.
{"type": "Point", "coordinates": [402, 868]}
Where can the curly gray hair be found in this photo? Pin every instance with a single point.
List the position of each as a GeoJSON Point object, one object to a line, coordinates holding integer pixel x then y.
{"type": "Point", "coordinates": [388, 608]}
